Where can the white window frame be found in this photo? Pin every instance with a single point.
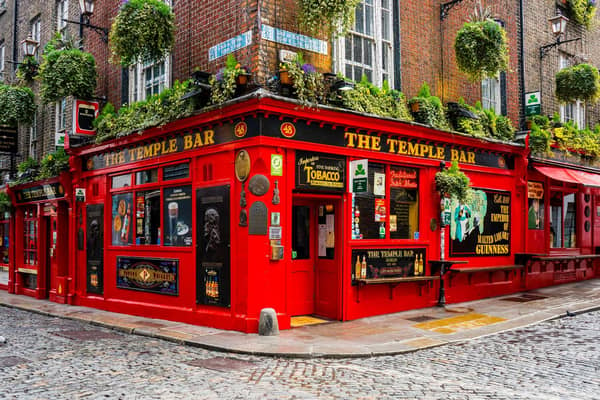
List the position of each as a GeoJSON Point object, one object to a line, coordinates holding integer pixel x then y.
{"type": "Point", "coordinates": [2, 64]}
{"type": "Point", "coordinates": [33, 137]}
{"type": "Point", "coordinates": [36, 33]}
{"type": "Point", "coordinates": [62, 13]}
{"type": "Point", "coordinates": [491, 94]}
{"type": "Point", "coordinates": [379, 71]}
{"type": "Point", "coordinates": [137, 79]}
{"type": "Point", "coordinates": [573, 111]}
{"type": "Point", "coordinates": [61, 118]}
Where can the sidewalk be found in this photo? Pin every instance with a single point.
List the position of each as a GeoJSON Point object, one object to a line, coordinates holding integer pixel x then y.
{"type": "Point", "coordinates": [381, 335]}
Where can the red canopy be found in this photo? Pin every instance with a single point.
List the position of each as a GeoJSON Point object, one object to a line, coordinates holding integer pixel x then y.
{"type": "Point", "coordinates": [570, 175]}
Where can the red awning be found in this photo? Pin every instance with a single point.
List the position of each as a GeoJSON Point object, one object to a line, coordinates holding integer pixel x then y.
{"type": "Point", "coordinates": [570, 175]}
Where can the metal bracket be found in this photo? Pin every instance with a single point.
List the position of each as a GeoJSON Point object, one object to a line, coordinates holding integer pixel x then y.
{"type": "Point", "coordinates": [85, 23]}
{"type": "Point", "coordinates": [544, 49]}
{"type": "Point", "coordinates": [446, 7]}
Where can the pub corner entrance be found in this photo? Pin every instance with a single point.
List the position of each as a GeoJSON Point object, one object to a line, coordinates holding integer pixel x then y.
{"type": "Point", "coordinates": [315, 273]}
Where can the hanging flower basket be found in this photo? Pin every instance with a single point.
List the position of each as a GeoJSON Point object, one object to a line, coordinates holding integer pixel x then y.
{"type": "Point", "coordinates": [17, 105]}
{"type": "Point", "coordinates": [327, 16]}
{"type": "Point", "coordinates": [582, 11]}
{"type": "Point", "coordinates": [142, 30]}
{"type": "Point", "coordinates": [580, 82]}
{"type": "Point", "coordinates": [481, 47]}
{"type": "Point", "coordinates": [452, 182]}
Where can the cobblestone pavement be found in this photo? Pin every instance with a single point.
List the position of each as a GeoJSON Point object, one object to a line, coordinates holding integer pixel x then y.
{"type": "Point", "coordinates": [52, 358]}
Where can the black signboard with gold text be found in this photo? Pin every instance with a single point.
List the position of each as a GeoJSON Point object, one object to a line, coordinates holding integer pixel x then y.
{"type": "Point", "coordinates": [48, 191]}
{"type": "Point", "coordinates": [320, 171]}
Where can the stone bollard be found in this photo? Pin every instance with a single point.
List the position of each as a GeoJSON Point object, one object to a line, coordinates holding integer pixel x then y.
{"type": "Point", "coordinates": [267, 323]}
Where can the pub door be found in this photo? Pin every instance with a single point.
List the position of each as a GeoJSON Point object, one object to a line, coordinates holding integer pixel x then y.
{"type": "Point", "coordinates": [314, 286]}
{"type": "Point", "coordinates": [51, 258]}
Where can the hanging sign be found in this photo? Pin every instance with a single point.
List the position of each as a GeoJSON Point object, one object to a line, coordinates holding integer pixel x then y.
{"type": "Point", "coordinates": [359, 176]}
{"type": "Point", "coordinates": [80, 194]}
{"type": "Point", "coordinates": [84, 113]}
{"type": "Point", "coordinates": [533, 104]}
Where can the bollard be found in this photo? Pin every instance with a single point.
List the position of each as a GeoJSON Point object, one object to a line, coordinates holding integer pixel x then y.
{"type": "Point", "coordinates": [267, 323]}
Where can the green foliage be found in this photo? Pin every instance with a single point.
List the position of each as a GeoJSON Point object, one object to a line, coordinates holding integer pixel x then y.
{"type": "Point", "coordinates": [156, 110]}
{"type": "Point", "coordinates": [481, 49]}
{"type": "Point", "coordinates": [580, 82]}
{"type": "Point", "coordinates": [27, 69]}
{"type": "Point", "coordinates": [582, 11]}
{"type": "Point", "coordinates": [307, 82]}
{"type": "Point", "coordinates": [53, 164]}
{"type": "Point", "coordinates": [5, 202]}
{"type": "Point", "coordinates": [327, 16]}
{"type": "Point", "coordinates": [487, 124]}
{"type": "Point", "coordinates": [368, 98]}
{"type": "Point", "coordinates": [17, 105]}
{"type": "Point", "coordinates": [27, 165]}
{"type": "Point", "coordinates": [428, 109]}
{"type": "Point", "coordinates": [546, 134]}
{"type": "Point", "coordinates": [66, 71]}
{"type": "Point", "coordinates": [453, 182]}
{"type": "Point", "coordinates": [224, 82]}
{"type": "Point", "coordinates": [539, 139]}
{"type": "Point", "coordinates": [142, 30]}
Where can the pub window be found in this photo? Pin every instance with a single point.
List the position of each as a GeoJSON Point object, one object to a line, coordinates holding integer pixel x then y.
{"type": "Point", "coordinates": [562, 220]}
{"type": "Point", "coordinates": [4, 238]}
{"type": "Point", "coordinates": [121, 181]}
{"type": "Point", "coordinates": [404, 203]}
{"type": "Point", "coordinates": [177, 216]}
{"type": "Point", "coordinates": [301, 232]}
{"type": "Point", "coordinates": [178, 171]}
{"type": "Point", "coordinates": [370, 206]}
{"type": "Point", "coordinates": [146, 176]}
{"type": "Point", "coordinates": [148, 217]}
{"type": "Point", "coordinates": [30, 233]}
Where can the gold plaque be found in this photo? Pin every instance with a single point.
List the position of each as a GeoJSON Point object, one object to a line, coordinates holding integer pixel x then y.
{"type": "Point", "coordinates": [242, 165]}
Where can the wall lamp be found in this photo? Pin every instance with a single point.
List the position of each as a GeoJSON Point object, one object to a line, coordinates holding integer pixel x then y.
{"type": "Point", "coordinates": [559, 27]}
{"type": "Point", "coordinates": [446, 7]}
{"type": "Point", "coordinates": [87, 10]}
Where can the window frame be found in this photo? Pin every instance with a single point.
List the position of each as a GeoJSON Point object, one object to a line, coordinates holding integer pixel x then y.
{"type": "Point", "coordinates": [494, 102]}
{"type": "Point", "coordinates": [60, 120]}
{"type": "Point", "coordinates": [33, 137]}
{"type": "Point", "coordinates": [575, 110]}
{"type": "Point", "coordinates": [35, 29]}
{"type": "Point", "coordinates": [564, 190]}
{"type": "Point", "coordinates": [2, 62]}
{"type": "Point", "coordinates": [30, 218]}
{"type": "Point", "coordinates": [62, 13]}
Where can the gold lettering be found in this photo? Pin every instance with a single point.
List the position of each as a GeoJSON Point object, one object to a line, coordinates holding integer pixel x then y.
{"type": "Point", "coordinates": [471, 156]}
{"type": "Point", "coordinates": [392, 144]}
{"type": "Point", "coordinates": [198, 141]}
{"type": "Point", "coordinates": [187, 142]}
{"type": "Point", "coordinates": [453, 155]}
{"type": "Point", "coordinates": [209, 137]}
{"type": "Point", "coordinates": [121, 158]}
{"type": "Point", "coordinates": [363, 141]}
{"type": "Point", "coordinates": [350, 136]}
{"type": "Point", "coordinates": [148, 151]}
{"type": "Point", "coordinates": [440, 153]}
{"type": "Point", "coordinates": [131, 154]}
{"type": "Point", "coordinates": [140, 152]}
{"type": "Point", "coordinates": [375, 143]}
{"type": "Point", "coordinates": [403, 145]}
{"type": "Point", "coordinates": [413, 149]}
{"type": "Point", "coordinates": [155, 149]}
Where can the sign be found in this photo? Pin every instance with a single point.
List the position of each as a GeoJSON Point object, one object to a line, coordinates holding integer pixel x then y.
{"type": "Point", "coordinates": [388, 263]}
{"type": "Point", "coordinates": [359, 176]}
{"type": "Point", "coordinates": [293, 39]}
{"type": "Point", "coordinates": [274, 232]}
{"type": "Point", "coordinates": [403, 178]}
{"type": "Point", "coordinates": [80, 194]}
{"type": "Point", "coordinates": [481, 227]}
{"type": "Point", "coordinates": [154, 275]}
{"type": "Point", "coordinates": [8, 139]}
{"type": "Point", "coordinates": [230, 45]}
{"type": "Point", "coordinates": [286, 56]}
{"type": "Point", "coordinates": [378, 184]}
{"type": "Point", "coordinates": [535, 213]}
{"type": "Point", "coordinates": [84, 113]}
{"type": "Point", "coordinates": [257, 224]}
{"type": "Point", "coordinates": [276, 165]}
{"type": "Point", "coordinates": [43, 192]}
{"type": "Point", "coordinates": [535, 190]}
{"type": "Point", "coordinates": [320, 171]}
{"type": "Point", "coordinates": [533, 104]}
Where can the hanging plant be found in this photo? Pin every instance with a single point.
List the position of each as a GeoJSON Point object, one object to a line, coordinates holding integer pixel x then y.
{"type": "Point", "coordinates": [579, 82]}
{"type": "Point", "coordinates": [452, 182]}
{"type": "Point", "coordinates": [28, 69]}
{"type": "Point", "coordinates": [142, 30]}
{"type": "Point", "coordinates": [66, 71]}
{"type": "Point", "coordinates": [481, 47]}
{"type": "Point", "coordinates": [17, 105]}
{"type": "Point", "coordinates": [582, 11]}
{"type": "Point", "coordinates": [327, 16]}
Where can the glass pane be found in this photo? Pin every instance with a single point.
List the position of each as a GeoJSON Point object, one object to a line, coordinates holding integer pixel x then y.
{"type": "Point", "coordinates": [122, 209]}
{"type": "Point", "coordinates": [385, 58]}
{"type": "Point", "coordinates": [369, 21]}
{"type": "Point", "coordinates": [348, 47]}
{"type": "Point", "coordinates": [301, 232]}
{"type": "Point", "coordinates": [556, 222]}
{"type": "Point", "coordinates": [569, 239]}
{"type": "Point", "coordinates": [177, 222]}
{"type": "Point", "coordinates": [359, 19]}
{"type": "Point", "coordinates": [369, 209]}
{"type": "Point", "coordinates": [357, 50]}
{"type": "Point", "coordinates": [121, 181]}
{"type": "Point", "coordinates": [349, 73]}
{"type": "Point", "coordinates": [147, 176]}
{"type": "Point", "coordinates": [148, 217]}
{"type": "Point", "coordinates": [368, 52]}
{"type": "Point", "coordinates": [404, 203]}
{"type": "Point", "coordinates": [385, 25]}
{"type": "Point", "coordinates": [369, 74]}
{"type": "Point", "coordinates": [358, 71]}
{"type": "Point", "coordinates": [178, 171]}
{"type": "Point", "coordinates": [326, 218]}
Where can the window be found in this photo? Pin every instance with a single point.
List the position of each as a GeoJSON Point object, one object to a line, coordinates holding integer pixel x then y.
{"type": "Point", "coordinates": [301, 232]}
{"type": "Point", "coordinates": [562, 220]}
{"type": "Point", "coordinates": [61, 122]}
{"type": "Point", "coordinates": [4, 238]}
{"type": "Point", "coordinates": [30, 233]}
{"type": "Point", "coordinates": [368, 47]}
{"type": "Point", "coordinates": [155, 215]}
{"type": "Point", "coordinates": [574, 111]}
{"type": "Point", "coordinates": [62, 13]}
{"type": "Point", "coordinates": [491, 95]}
{"type": "Point", "coordinates": [2, 55]}
{"type": "Point", "coordinates": [33, 137]}
{"type": "Point", "coordinates": [404, 203]}
{"type": "Point", "coordinates": [36, 26]}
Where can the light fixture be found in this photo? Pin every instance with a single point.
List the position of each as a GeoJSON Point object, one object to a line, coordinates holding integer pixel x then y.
{"type": "Point", "coordinates": [86, 7]}
{"type": "Point", "coordinates": [87, 10]}
{"type": "Point", "coordinates": [29, 46]}
{"type": "Point", "coordinates": [559, 24]}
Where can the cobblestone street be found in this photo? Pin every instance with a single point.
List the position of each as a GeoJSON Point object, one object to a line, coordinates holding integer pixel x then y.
{"type": "Point", "coordinates": [52, 358]}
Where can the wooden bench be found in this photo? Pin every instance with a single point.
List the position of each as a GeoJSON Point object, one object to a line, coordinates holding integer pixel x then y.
{"type": "Point", "coordinates": [563, 259]}
{"type": "Point", "coordinates": [393, 282]}
{"type": "Point", "coordinates": [490, 270]}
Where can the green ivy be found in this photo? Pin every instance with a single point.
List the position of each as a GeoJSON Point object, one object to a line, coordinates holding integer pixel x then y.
{"type": "Point", "coordinates": [539, 140]}
{"type": "Point", "coordinates": [430, 109]}
{"type": "Point", "coordinates": [142, 30]}
{"type": "Point", "coordinates": [481, 49]}
{"type": "Point", "coordinates": [5, 202]}
{"type": "Point", "coordinates": [307, 82]}
{"type": "Point", "coordinates": [136, 117]}
{"type": "Point", "coordinates": [368, 98]}
{"type": "Point", "coordinates": [224, 84]}
{"type": "Point", "coordinates": [28, 69]}
{"type": "Point", "coordinates": [327, 16]}
{"type": "Point", "coordinates": [548, 133]}
{"type": "Point", "coordinates": [579, 82]}
{"type": "Point", "coordinates": [582, 11]}
{"type": "Point", "coordinates": [17, 105]}
{"type": "Point", "coordinates": [454, 183]}
{"type": "Point", "coordinates": [53, 164]}
{"type": "Point", "coordinates": [66, 71]}
{"type": "Point", "coordinates": [488, 123]}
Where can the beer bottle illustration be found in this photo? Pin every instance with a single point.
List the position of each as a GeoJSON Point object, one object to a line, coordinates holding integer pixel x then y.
{"type": "Point", "coordinates": [357, 268]}
{"type": "Point", "coordinates": [363, 268]}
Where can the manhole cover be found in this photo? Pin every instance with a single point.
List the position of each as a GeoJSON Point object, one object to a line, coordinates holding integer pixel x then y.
{"type": "Point", "coordinates": [421, 318]}
{"type": "Point", "coordinates": [87, 335]}
{"type": "Point", "coordinates": [149, 324]}
{"type": "Point", "coordinates": [525, 298]}
{"type": "Point", "coordinates": [11, 361]}
{"type": "Point", "coordinates": [221, 364]}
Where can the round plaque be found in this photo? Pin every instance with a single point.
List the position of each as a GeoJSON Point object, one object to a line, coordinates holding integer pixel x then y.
{"type": "Point", "coordinates": [258, 185]}
{"type": "Point", "coordinates": [242, 165]}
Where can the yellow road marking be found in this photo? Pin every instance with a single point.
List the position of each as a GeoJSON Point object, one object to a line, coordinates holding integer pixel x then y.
{"type": "Point", "coordinates": [452, 324]}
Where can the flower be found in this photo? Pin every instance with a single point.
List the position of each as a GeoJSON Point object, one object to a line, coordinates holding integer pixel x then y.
{"type": "Point", "coordinates": [219, 75]}
{"type": "Point", "coordinates": [309, 68]}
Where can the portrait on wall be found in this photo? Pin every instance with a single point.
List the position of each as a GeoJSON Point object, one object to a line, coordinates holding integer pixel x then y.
{"type": "Point", "coordinates": [535, 213]}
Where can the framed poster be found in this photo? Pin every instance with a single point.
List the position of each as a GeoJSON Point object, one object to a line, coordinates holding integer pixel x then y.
{"type": "Point", "coordinates": [154, 275]}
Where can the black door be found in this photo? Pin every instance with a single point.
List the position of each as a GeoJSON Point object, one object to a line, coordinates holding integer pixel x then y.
{"type": "Point", "coordinates": [95, 249]}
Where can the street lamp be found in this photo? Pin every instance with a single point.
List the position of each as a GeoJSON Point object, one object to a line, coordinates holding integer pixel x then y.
{"type": "Point", "coordinates": [559, 27]}
{"type": "Point", "coordinates": [87, 10]}
{"type": "Point", "coordinates": [29, 46]}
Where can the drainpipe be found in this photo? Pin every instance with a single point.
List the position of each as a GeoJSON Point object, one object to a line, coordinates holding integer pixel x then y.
{"type": "Point", "coordinates": [15, 42]}
{"type": "Point", "coordinates": [522, 68]}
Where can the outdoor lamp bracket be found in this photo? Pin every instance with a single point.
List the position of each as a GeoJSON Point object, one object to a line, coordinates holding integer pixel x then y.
{"type": "Point", "coordinates": [446, 7]}
{"type": "Point", "coordinates": [87, 10]}
{"type": "Point", "coordinates": [559, 27]}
